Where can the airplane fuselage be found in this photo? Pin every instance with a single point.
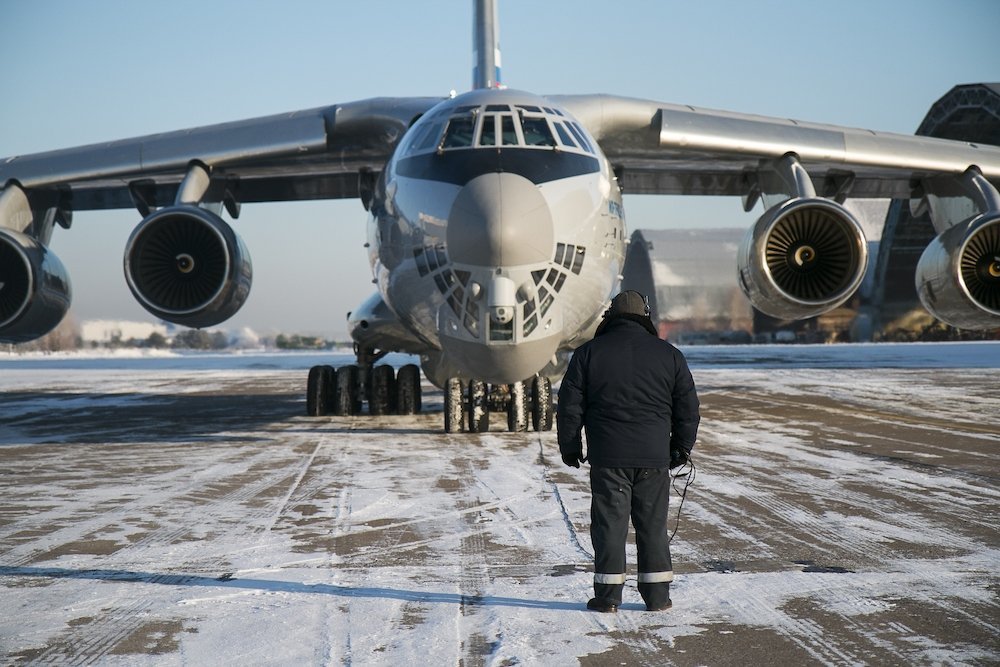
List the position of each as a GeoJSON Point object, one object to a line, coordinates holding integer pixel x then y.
{"type": "Point", "coordinates": [497, 234]}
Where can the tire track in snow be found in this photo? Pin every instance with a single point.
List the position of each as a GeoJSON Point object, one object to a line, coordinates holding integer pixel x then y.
{"type": "Point", "coordinates": [873, 493]}
{"type": "Point", "coordinates": [93, 641]}
{"type": "Point", "coordinates": [574, 536]}
{"type": "Point", "coordinates": [408, 598]}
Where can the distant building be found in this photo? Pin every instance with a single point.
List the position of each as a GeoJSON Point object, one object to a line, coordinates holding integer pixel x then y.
{"type": "Point", "coordinates": [690, 278]}
{"type": "Point", "coordinates": [104, 332]}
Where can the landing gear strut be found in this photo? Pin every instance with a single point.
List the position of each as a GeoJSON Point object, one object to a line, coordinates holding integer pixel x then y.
{"type": "Point", "coordinates": [476, 400]}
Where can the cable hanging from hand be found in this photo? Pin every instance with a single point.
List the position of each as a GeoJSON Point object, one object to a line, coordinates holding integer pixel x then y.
{"type": "Point", "coordinates": [688, 472]}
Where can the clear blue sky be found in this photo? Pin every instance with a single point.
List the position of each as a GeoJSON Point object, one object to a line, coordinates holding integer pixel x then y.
{"type": "Point", "coordinates": [81, 72]}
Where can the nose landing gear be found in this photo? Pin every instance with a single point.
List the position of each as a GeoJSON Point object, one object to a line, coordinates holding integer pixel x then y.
{"type": "Point", "coordinates": [475, 400]}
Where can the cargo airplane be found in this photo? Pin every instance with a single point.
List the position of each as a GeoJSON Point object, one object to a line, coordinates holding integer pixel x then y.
{"type": "Point", "coordinates": [496, 232]}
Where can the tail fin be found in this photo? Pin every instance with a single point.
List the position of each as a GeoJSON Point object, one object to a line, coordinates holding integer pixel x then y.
{"type": "Point", "coordinates": [486, 45]}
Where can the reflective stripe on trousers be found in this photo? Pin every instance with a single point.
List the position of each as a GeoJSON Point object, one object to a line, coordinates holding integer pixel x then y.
{"type": "Point", "coordinates": [601, 578]}
{"type": "Point", "coordinates": [656, 577]}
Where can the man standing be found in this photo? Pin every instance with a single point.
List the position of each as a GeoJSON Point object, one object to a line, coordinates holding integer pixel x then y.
{"type": "Point", "coordinates": [634, 395]}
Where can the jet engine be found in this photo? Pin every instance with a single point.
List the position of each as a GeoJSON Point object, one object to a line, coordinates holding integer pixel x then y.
{"type": "Point", "coordinates": [185, 265]}
{"type": "Point", "coordinates": [35, 290]}
{"type": "Point", "coordinates": [958, 275]}
{"type": "Point", "coordinates": [803, 257]}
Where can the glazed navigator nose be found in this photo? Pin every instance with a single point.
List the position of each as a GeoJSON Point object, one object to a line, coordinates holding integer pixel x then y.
{"type": "Point", "coordinates": [500, 220]}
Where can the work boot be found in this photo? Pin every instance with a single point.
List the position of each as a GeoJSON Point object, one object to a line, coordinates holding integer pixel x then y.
{"type": "Point", "coordinates": [602, 605]}
{"type": "Point", "coordinates": [656, 596]}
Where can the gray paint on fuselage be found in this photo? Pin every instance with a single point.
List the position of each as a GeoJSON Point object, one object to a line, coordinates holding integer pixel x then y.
{"type": "Point", "coordinates": [412, 213]}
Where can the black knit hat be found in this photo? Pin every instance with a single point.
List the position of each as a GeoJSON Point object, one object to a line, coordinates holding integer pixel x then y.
{"type": "Point", "coordinates": [628, 302]}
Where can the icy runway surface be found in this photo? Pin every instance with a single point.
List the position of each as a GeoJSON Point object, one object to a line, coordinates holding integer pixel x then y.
{"type": "Point", "coordinates": [184, 510]}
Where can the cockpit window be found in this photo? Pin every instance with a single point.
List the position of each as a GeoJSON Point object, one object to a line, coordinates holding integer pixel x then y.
{"type": "Point", "coordinates": [537, 132]}
{"type": "Point", "coordinates": [496, 126]}
{"type": "Point", "coordinates": [507, 131]}
{"type": "Point", "coordinates": [502, 123]}
{"type": "Point", "coordinates": [578, 133]}
{"type": "Point", "coordinates": [564, 135]}
{"type": "Point", "coordinates": [488, 137]}
{"type": "Point", "coordinates": [460, 131]}
{"type": "Point", "coordinates": [428, 139]}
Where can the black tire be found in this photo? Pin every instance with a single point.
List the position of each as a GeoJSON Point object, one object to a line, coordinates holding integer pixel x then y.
{"type": "Point", "coordinates": [331, 389]}
{"type": "Point", "coordinates": [345, 399]}
{"type": "Point", "coordinates": [517, 409]}
{"type": "Point", "coordinates": [453, 407]}
{"type": "Point", "coordinates": [541, 404]}
{"type": "Point", "coordinates": [319, 391]}
{"type": "Point", "coordinates": [383, 391]}
{"type": "Point", "coordinates": [408, 399]}
{"type": "Point", "coordinates": [479, 407]}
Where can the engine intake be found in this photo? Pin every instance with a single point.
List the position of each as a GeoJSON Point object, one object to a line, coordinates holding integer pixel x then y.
{"type": "Point", "coordinates": [186, 265]}
{"type": "Point", "coordinates": [35, 290]}
{"type": "Point", "coordinates": [802, 258]}
{"type": "Point", "coordinates": [958, 275]}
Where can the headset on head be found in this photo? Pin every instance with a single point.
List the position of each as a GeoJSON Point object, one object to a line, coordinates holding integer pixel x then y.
{"type": "Point", "coordinates": [645, 306]}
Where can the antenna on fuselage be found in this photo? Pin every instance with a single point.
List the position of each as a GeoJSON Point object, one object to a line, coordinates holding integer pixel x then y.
{"type": "Point", "coordinates": [485, 45]}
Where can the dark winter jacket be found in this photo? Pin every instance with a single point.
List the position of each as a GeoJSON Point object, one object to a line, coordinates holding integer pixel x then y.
{"type": "Point", "coordinates": [634, 395]}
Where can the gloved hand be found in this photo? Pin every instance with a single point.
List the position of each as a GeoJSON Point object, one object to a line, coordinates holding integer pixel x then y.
{"type": "Point", "coordinates": [573, 459]}
{"type": "Point", "coordinates": [678, 457]}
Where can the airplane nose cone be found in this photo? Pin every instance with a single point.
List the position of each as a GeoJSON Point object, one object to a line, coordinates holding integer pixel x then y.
{"type": "Point", "coordinates": [500, 219]}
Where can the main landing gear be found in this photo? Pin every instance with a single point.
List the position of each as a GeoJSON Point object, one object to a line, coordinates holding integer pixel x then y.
{"type": "Point", "coordinates": [467, 405]}
{"type": "Point", "coordinates": [523, 401]}
{"type": "Point", "coordinates": [341, 391]}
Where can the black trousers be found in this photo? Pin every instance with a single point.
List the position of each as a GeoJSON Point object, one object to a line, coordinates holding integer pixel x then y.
{"type": "Point", "coordinates": [642, 494]}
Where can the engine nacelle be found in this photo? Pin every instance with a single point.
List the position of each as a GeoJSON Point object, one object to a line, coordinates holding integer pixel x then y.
{"type": "Point", "coordinates": [958, 275]}
{"type": "Point", "coordinates": [802, 258]}
{"type": "Point", "coordinates": [35, 291]}
{"type": "Point", "coordinates": [186, 265]}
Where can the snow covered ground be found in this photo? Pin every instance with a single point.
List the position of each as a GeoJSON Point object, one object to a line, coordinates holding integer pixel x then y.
{"type": "Point", "coordinates": [181, 509]}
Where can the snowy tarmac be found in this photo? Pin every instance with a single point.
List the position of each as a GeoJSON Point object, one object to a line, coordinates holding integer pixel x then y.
{"type": "Point", "coordinates": [183, 510]}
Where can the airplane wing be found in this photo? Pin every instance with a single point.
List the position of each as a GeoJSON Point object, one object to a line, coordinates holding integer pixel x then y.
{"type": "Point", "coordinates": [327, 152]}
{"type": "Point", "coordinates": [337, 151]}
{"type": "Point", "coordinates": [803, 172]}
{"type": "Point", "coordinates": [324, 153]}
{"type": "Point", "coordinates": [660, 148]}
{"type": "Point", "coordinates": [320, 153]}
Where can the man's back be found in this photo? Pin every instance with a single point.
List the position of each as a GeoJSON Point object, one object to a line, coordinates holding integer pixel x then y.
{"type": "Point", "coordinates": [631, 391]}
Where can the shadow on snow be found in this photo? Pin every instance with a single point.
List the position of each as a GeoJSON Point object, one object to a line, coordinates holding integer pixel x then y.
{"type": "Point", "coordinates": [272, 586]}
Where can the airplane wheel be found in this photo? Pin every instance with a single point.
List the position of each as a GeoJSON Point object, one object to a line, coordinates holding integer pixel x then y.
{"type": "Point", "coordinates": [453, 406]}
{"type": "Point", "coordinates": [383, 391]}
{"type": "Point", "coordinates": [479, 407]}
{"type": "Point", "coordinates": [541, 404]}
{"type": "Point", "coordinates": [408, 390]}
{"type": "Point", "coordinates": [319, 391]}
{"type": "Point", "coordinates": [517, 409]}
{"type": "Point", "coordinates": [345, 399]}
